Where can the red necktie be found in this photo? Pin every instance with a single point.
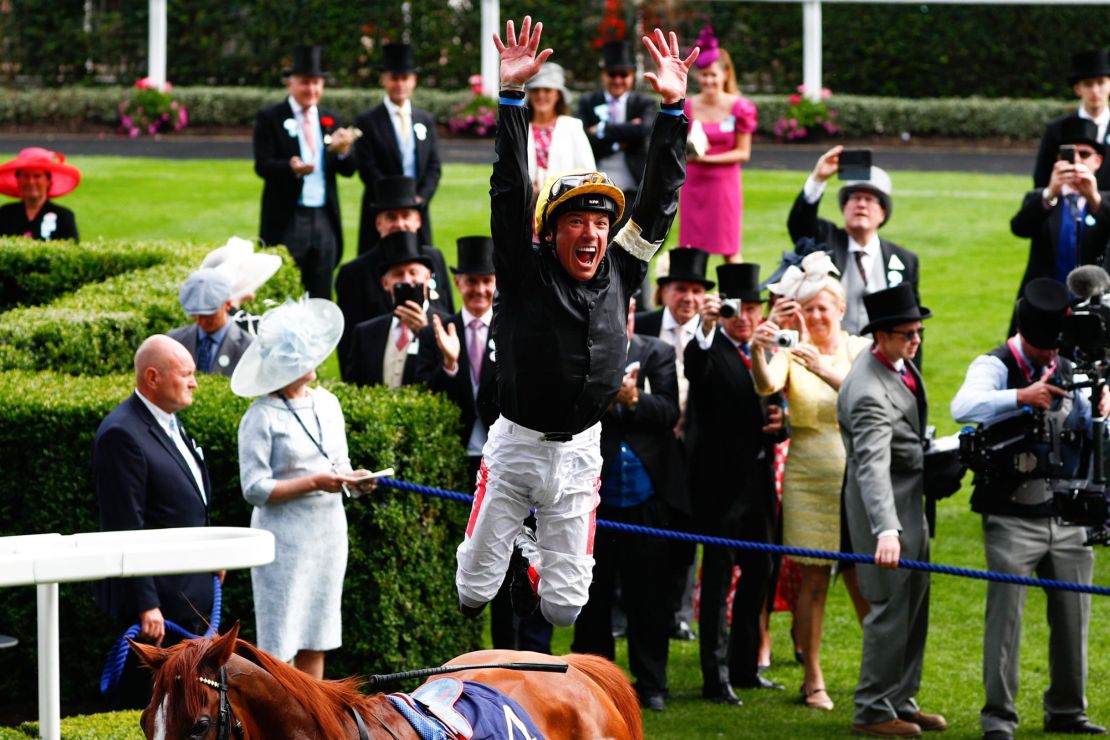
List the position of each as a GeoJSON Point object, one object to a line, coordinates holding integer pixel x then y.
{"type": "Point", "coordinates": [405, 338]}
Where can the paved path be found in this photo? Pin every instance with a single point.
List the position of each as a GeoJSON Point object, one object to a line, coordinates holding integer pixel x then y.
{"type": "Point", "coordinates": [471, 151]}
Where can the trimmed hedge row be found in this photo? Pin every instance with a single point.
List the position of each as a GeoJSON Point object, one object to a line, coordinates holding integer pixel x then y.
{"type": "Point", "coordinates": [94, 329]}
{"type": "Point", "coordinates": [858, 115]}
{"type": "Point", "coordinates": [399, 605]}
{"type": "Point", "coordinates": [110, 726]}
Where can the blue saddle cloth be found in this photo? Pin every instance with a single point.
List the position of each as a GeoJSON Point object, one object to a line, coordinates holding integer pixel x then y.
{"type": "Point", "coordinates": [450, 709]}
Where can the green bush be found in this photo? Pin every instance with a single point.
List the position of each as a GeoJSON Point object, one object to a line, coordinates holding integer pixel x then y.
{"type": "Point", "coordinates": [109, 726]}
{"type": "Point", "coordinates": [399, 605]}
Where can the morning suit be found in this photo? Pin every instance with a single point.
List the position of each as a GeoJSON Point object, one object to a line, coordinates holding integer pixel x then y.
{"type": "Point", "coordinates": [1050, 148]}
{"type": "Point", "coordinates": [1042, 227]}
{"type": "Point", "coordinates": [276, 142]}
{"type": "Point", "coordinates": [363, 362]}
{"type": "Point", "coordinates": [733, 496]}
{"type": "Point", "coordinates": [626, 138]}
{"type": "Point", "coordinates": [882, 423]}
{"type": "Point", "coordinates": [229, 352]}
{"type": "Point", "coordinates": [143, 482]}
{"type": "Point", "coordinates": [379, 155]}
{"type": "Point", "coordinates": [643, 435]}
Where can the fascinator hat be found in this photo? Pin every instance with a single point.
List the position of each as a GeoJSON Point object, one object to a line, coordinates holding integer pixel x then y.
{"type": "Point", "coordinates": [293, 338]}
{"type": "Point", "coordinates": [246, 269]}
{"type": "Point", "coordinates": [804, 282]}
{"type": "Point", "coordinates": [710, 47]}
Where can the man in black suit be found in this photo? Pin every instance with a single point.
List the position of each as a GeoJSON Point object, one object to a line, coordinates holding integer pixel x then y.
{"type": "Point", "coordinates": [214, 341]}
{"type": "Point", "coordinates": [1090, 81]}
{"type": "Point", "coordinates": [298, 149]}
{"type": "Point", "coordinates": [1068, 222]}
{"type": "Point", "coordinates": [866, 261]}
{"type": "Point", "coordinates": [638, 483]}
{"type": "Point", "coordinates": [384, 349]}
{"type": "Point", "coordinates": [400, 140]}
{"type": "Point", "coordinates": [150, 475]}
{"type": "Point", "coordinates": [618, 120]}
{"type": "Point", "coordinates": [730, 437]}
{"type": "Point", "coordinates": [358, 287]}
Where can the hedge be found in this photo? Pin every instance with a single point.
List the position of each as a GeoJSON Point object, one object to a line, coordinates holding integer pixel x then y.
{"type": "Point", "coordinates": [858, 115]}
{"type": "Point", "coordinates": [109, 726]}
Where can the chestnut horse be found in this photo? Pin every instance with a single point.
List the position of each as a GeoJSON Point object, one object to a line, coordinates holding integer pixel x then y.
{"type": "Point", "coordinates": [225, 687]}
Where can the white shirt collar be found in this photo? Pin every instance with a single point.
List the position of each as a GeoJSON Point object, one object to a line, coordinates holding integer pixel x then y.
{"type": "Point", "coordinates": [393, 108]}
{"type": "Point", "coordinates": [670, 322]}
{"type": "Point", "coordinates": [871, 248]}
{"type": "Point", "coordinates": [485, 318]}
{"type": "Point", "coordinates": [297, 109]}
{"type": "Point", "coordinates": [1102, 120]}
{"type": "Point", "coordinates": [609, 97]}
{"type": "Point", "coordinates": [160, 416]}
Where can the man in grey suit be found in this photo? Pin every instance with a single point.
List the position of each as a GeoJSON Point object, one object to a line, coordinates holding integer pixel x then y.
{"type": "Point", "coordinates": [215, 342]}
{"type": "Point", "coordinates": [882, 411]}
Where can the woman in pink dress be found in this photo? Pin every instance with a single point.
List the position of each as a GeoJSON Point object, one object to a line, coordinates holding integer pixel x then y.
{"type": "Point", "coordinates": [711, 202]}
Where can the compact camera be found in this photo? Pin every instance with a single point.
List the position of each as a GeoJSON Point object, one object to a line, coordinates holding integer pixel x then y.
{"type": "Point", "coordinates": [729, 307]}
{"type": "Point", "coordinates": [786, 338]}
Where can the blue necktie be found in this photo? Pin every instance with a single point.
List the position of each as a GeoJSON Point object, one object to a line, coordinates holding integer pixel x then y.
{"type": "Point", "coordinates": [1071, 229]}
{"type": "Point", "coordinates": [205, 354]}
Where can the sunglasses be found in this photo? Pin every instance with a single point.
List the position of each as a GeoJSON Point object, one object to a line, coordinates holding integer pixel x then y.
{"type": "Point", "coordinates": [910, 334]}
{"type": "Point", "coordinates": [619, 72]}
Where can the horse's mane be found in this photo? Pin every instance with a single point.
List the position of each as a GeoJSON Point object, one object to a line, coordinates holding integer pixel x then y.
{"type": "Point", "coordinates": [611, 681]}
{"type": "Point", "coordinates": [327, 702]}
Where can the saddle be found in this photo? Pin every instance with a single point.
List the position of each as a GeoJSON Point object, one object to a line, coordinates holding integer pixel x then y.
{"type": "Point", "coordinates": [465, 710]}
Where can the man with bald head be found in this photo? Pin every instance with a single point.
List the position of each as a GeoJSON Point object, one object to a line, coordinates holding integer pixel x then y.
{"type": "Point", "coordinates": [150, 475]}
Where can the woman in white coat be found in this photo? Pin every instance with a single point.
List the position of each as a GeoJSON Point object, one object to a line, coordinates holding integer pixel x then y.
{"type": "Point", "coordinates": [557, 142]}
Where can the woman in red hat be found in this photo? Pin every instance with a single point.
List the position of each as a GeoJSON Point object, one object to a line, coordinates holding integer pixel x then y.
{"type": "Point", "coordinates": [36, 176]}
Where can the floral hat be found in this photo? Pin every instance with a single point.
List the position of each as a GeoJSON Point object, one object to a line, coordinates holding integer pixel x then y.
{"type": "Point", "coordinates": [710, 47]}
{"type": "Point", "coordinates": [63, 177]}
{"type": "Point", "coordinates": [292, 339]}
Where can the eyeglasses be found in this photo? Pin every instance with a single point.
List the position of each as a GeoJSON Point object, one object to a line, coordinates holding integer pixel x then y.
{"type": "Point", "coordinates": [910, 334]}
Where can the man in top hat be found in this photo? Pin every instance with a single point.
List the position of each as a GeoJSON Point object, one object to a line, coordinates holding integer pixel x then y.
{"type": "Point", "coordinates": [384, 349]}
{"type": "Point", "coordinates": [729, 429]}
{"type": "Point", "coordinates": [358, 287]}
{"type": "Point", "coordinates": [36, 176]}
{"type": "Point", "coordinates": [682, 290]}
{"type": "Point", "coordinates": [298, 149]}
{"type": "Point", "coordinates": [618, 119]}
{"type": "Point", "coordinates": [882, 410]}
{"type": "Point", "coordinates": [560, 336]}
{"type": "Point", "coordinates": [400, 140]}
{"type": "Point", "coordinates": [1090, 81]}
{"type": "Point", "coordinates": [1021, 534]}
{"type": "Point", "coordinates": [1068, 221]}
{"type": "Point", "coordinates": [215, 341]}
{"type": "Point", "coordinates": [866, 261]}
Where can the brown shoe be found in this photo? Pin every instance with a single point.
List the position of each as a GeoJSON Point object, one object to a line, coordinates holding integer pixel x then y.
{"type": "Point", "coordinates": [927, 722]}
{"type": "Point", "coordinates": [890, 728]}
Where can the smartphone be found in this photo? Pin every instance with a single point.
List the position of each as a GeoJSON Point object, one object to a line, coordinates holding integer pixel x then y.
{"type": "Point", "coordinates": [1067, 153]}
{"type": "Point", "coordinates": [855, 164]}
{"type": "Point", "coordinates": [408, 292]}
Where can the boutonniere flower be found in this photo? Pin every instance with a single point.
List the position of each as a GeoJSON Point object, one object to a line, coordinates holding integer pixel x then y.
{"type": "Point", "coordinates": [327, 121]}
{"type": "Point", "coordinates": [49, 224]}
{"type": "Point", "coordinates": [894, 263]}
{"type": "Point", "coordinates": [893, 279]}
{"type": "Point", "coordinates": [421, 131]}
{"type": "Point", "coordinates": [894, 271]}
{"type": "Point", "coordinates": [290, 127]}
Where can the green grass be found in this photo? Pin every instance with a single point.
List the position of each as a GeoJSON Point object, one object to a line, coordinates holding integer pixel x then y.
{"type": "Point", "coordinates": [957, 223]}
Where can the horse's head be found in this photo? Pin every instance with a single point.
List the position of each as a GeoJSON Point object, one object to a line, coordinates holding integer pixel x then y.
{"type": "Point", "coordinates": [187, 698]}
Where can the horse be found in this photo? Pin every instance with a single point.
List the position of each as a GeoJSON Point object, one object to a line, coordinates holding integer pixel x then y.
{"type": "Point", "coordinates": [222, 688]}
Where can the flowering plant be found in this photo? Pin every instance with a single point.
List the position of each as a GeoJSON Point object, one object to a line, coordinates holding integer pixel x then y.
{"type": "Point", "coordinates": [806, 118]}
{"type": "Point", "coordinates": [474, 117]}
{"type": "Point", "coordinates": [150, 109]}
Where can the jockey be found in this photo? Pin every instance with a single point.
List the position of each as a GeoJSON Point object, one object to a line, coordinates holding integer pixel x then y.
{"type": "Point", "coordinates": [560, 341]}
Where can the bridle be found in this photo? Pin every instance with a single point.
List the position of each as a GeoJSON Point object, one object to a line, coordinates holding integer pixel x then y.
{"type": "Point", "coordinates": [227, 723]}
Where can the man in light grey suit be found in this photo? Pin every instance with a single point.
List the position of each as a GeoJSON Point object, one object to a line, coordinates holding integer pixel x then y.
{"type": "Point", "coordinates": [215, 342]}
{"type": "Point", "coordinates": [882, 412]}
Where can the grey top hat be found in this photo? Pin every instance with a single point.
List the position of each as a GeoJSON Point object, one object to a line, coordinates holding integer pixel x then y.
{"type": "Point", "coordinates": [204, 292]}
{"type": "Point", "coordinates": [879, 183]}
{"type": "Point", "coordinates": [553, 77]}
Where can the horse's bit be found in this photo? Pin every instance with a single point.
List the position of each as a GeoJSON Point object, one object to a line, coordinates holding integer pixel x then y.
{"type": "Point", "coordinates": [227, 723]}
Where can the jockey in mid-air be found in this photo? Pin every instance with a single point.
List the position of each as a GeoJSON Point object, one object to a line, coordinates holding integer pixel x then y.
{"type": "Point", "coordinates": [560, 339]}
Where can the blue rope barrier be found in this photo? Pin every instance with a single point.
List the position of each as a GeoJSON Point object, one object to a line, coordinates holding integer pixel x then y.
{"type": "Point", "coordinates": [117, 656]}
{"type": "Point", "coordinates": [853, 557]}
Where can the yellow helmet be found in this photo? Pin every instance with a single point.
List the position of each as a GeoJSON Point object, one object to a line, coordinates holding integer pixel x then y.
{"type": "Point", "coordinates": [579, 191]}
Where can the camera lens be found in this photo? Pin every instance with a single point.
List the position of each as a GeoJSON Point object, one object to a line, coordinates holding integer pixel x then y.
{"type": "Point", "coordinates": [728, 309]}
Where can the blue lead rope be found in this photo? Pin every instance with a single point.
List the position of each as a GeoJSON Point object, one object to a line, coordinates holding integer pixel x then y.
{"type": "Point", "coordinates": [117, 656]}
{"type": "Point", "coordinates": [850, 557]}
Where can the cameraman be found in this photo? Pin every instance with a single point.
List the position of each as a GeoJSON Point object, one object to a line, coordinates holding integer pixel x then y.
{"type": "Point", "coordinates": [1020, 533]}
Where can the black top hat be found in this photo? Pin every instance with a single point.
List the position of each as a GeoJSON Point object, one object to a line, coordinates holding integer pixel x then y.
{"type": "Point", "coordinates": [395, 191]}
{"type": "Point", "coordinates": [687, 263]}
{"type": "Point", "coordinates": [399, 58]}
{"type": "Point", "coordinates": [739, 281]}
{"type": "Point", "coordinates": [1041, 310]}
{"type": "Point", "coordinates": [401, 247]}
{"type": "Point", "coordinates": [475, 256]}
{"type": "Point", "coordinates": [1087, 64]}
{"type": "Point", "coordinates": [617, 55]}
{"type": "Point", "coordinates": [1076, 130]}
{"type": "Point", "coordinates": [892, 306]}
{"type": "Point", "coordinates": [308, 61]}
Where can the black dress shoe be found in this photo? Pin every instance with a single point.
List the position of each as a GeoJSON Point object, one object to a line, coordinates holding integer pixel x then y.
{"type": "Point", "coordinates": [723, 695]}
{"type": "Point", "coordinates": [682, 631]}
{"type": "Point", "coordinates": [471, 611]}
{"type": "Point", "coordinates": [654, 702]}
{"type": "Point", "coordinates": [1075, 727]}
{"type": "Point", "coordinates": [758, 682]}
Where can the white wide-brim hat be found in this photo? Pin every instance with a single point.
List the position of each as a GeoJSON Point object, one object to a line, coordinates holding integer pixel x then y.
{"type": "Point", "coordinates": [293, 338]}
{"type": "Point", "coordinates": [246, 269]}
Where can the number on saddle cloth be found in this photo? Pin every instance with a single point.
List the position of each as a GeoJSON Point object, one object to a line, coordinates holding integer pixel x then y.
{"type": "Point", "coordinates": [474, 710]}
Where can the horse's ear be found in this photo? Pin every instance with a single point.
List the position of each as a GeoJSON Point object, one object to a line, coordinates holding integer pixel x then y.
{"type": "Point", "coordinates": [149, 655]}
{"type": "Point", "coordinates": [221, 649]}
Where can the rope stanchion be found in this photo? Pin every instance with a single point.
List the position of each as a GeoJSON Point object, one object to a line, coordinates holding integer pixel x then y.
{"type": "Point", "coordinates": [853, 557]}
{"type": "Point", "coordinates": [117, 656]}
